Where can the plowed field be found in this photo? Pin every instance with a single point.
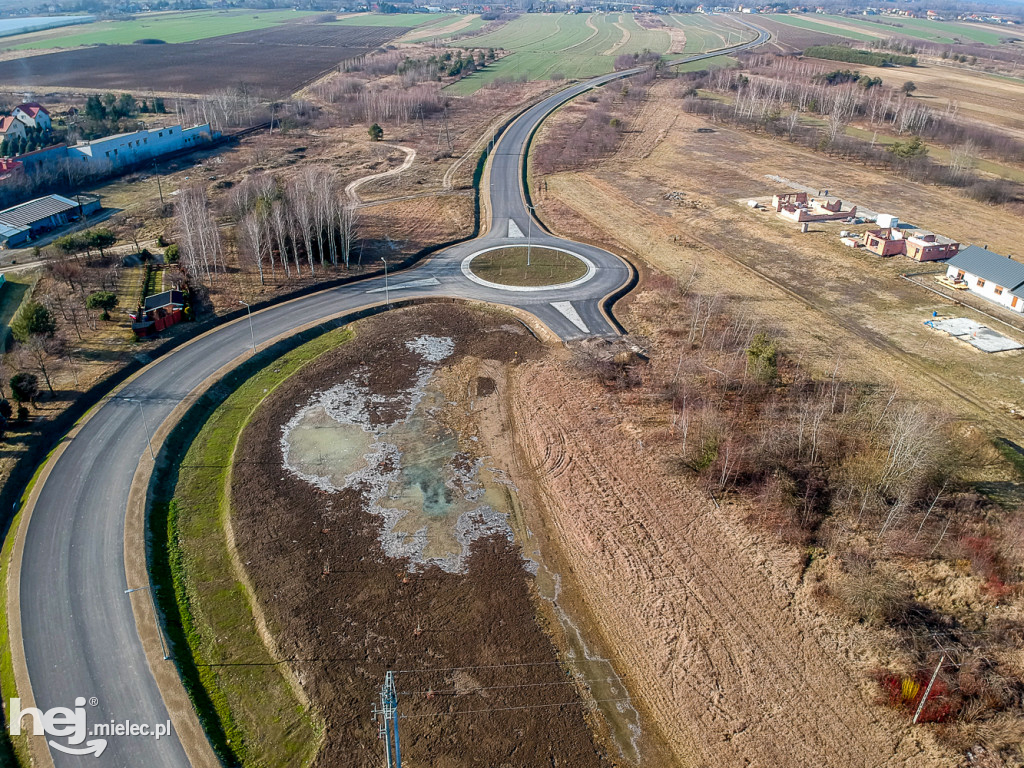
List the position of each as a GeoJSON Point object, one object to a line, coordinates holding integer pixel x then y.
{"type": "Point", "coordinates": [274, 61]}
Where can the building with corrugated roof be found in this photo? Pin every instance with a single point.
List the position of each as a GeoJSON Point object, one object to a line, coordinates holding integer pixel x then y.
{"type": "Point", "coordinates": [991, 275]}
{"type": "Point", "coordinates": [21, 223]}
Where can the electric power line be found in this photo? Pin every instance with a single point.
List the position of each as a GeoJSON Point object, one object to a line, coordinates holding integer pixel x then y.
{"type": "Point", "coordinates": [503, 687]}
{"type": "Point", "coordinates": [500, 666]}
{"type": "Point", "coordinates": [509, 709]}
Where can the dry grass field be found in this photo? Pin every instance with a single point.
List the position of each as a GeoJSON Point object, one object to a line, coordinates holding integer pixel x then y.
{"type": "Point", "coordinates": [720, 621]}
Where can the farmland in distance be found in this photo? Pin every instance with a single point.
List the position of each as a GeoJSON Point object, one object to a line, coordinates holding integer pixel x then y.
{"type": "Point", "coordinates": [277, 61]}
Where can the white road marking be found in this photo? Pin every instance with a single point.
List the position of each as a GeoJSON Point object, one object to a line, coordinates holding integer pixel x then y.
{"type": "Point", "coordinates": [567, 309]}
{"type": "Point", "coordinates": [412, 284]}
{"type": "Point", "coordinates": [513, 229]}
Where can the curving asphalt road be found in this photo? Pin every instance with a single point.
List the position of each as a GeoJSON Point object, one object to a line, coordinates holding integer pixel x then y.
{"type": "Point", "coordinates": [79, 632]}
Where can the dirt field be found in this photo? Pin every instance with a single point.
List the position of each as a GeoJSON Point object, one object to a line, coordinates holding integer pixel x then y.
{"type": "Point", "coordinates": [832, 303]}
{"type": "Point", "coordinates": [275, 61]}
{"type": "Point", "coordinates": [715, 628]}
{"type": "Point", "coordinates": [346, 612]}
{"type": "Point", "coordinates": [715, 622]}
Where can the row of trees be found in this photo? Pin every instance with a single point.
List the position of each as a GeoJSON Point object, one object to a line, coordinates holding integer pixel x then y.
{"type": "Point", "coordinates": [76, 243]}
{"type": "Point", "coordinates": [282, 225]}
{"type": "Point", "coordinates": [34, 138]}
{"type": "Point", "coordinates": [783, 84]}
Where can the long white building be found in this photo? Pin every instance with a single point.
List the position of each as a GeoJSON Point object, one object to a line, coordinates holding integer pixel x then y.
{"type": "Point", "coordinates": [125, 149]}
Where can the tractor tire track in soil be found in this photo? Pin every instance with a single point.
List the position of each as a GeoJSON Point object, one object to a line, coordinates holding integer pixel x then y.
{"type": "Point", "coordinates": [705, 621]}
{"type": "Point", "coordinates": [343, 613]}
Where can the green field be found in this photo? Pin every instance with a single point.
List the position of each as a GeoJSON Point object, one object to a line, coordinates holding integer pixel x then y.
{"type": "Point", "coordinates": [169, 27]}
{"type": "Point", "coordinates": [579, 46]}
{"type": "Point", "coordinates": [924, 29]}
{"type": "Point", "coordinates": [642, 39]}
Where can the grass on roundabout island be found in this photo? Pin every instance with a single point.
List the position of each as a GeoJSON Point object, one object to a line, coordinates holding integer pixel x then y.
{"type": "Point", "coordinates": [507, 266]}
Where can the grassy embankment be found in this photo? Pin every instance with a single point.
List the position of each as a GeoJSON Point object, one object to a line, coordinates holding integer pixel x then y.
{"type": "Point", "coordinates": [242, 694]}
{"type": "Point", "coordinates": [13, 293]}
{"type": "Point", "coordinates": [507, 266]}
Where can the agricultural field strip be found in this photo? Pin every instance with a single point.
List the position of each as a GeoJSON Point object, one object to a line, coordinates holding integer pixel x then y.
{"type": "Point", "coordinates": [922, 29]}
{"type": "Point", "coordinates": [183, 28]}
{"type": "Point", "coordinates": [572, 49]}
{"type": "Point", "coordinates": [442, 31]}
{"type": "Point", "coordinates": [642, 39]}
{"type": "Point", "coordinates": [393, 20]}
{"type": "Point", "coordinates": [802, 23]}
{"type": "Point", "coordinates": [698, 37]}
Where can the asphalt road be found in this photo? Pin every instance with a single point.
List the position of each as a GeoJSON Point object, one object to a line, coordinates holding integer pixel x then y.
{"type": "Point", "coordinates": [79, 631]}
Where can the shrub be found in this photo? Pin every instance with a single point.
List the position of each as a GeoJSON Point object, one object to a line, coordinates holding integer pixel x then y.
{"type": "Point", "coordinates": [102, 300]}
{"type": "Point", "coordinates": [6, 410]}
{"type": "Point", "coordinates": [33, 319]}
{"type": "Point", "coordinates": [24, 388]}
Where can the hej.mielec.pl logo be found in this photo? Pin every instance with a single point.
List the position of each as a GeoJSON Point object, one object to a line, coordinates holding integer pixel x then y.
{"type": "Point", "coordinates": [72, 726]}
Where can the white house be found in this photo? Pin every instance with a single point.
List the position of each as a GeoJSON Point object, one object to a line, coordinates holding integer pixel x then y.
{"type": "Point", "coordinates": [997, 278]}
{"type": "Point", "coordinates": [10, 128]}
{"type": "Point", "coordinates": [33, 115]}
{"type": "Point", "coordinates": [126, 149]}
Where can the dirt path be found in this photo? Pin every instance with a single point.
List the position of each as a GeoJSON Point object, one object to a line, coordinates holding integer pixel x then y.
{"type": "Point", "coordinates": [351, 189]}
{"type": "Point", "coordinates": [707, 622]}
{"type": "Point", "coordinates": [622, 41]}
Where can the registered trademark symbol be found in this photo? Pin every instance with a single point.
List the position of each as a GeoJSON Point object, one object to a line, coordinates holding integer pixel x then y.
{"type": "Point", "coordinates": [93, 701]}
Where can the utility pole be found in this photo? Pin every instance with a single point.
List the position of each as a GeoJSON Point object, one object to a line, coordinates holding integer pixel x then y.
{"type": "Point", "coordinates": [386, 716]}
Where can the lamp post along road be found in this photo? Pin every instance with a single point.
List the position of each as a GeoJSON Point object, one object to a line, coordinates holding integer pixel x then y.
{"type": "Point", "coordinates": [387, 295]}
{"type": "Point", "coordinates": [252, 334]}
{"type": "Point", "coordinates": [529, 233]}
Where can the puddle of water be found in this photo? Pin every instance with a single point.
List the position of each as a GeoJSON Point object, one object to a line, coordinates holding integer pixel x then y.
{"type": "Point", "coordinates": [433, 499]}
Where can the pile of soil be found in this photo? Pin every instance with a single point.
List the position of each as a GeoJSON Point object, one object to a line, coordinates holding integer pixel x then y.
{"type": "Point", "coordinates": [343, 613]}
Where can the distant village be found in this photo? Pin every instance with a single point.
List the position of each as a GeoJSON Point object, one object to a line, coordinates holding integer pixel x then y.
{"type": "Point", "coordinates": [123, 8]}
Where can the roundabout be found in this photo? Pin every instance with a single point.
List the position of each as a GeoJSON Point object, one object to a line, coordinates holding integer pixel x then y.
{"type": "Point", "coordinates": [515, 268]}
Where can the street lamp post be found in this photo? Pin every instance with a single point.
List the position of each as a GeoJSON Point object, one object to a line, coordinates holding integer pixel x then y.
{"type": "Point", "coordinates": [252, 334]}
{"type": "Point", "coordinates": [529, 233]}
{"type": "Point", "coordinates": [159, 629]}
{"type": "Point", "coordinates": [387, 295]}
{"type": "Point", "coordinates": [149, 437]}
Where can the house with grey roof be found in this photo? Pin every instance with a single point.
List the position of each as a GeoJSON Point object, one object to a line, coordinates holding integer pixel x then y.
{"type": "Point", "coordinates": [990, 275]}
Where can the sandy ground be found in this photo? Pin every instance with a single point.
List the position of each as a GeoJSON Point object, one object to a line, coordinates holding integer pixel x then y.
{"type": "Point", "coordinates": [717, 637]}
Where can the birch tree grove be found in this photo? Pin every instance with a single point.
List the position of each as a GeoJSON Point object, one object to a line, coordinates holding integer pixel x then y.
{"type": "Point", "coordinates": [198, 234]}
{"type": "Point", "coordinates": [307, 219]}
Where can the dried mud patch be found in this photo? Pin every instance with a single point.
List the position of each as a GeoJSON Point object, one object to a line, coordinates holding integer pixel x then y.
{"type": "Point", "coordinates": [343, 611]}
